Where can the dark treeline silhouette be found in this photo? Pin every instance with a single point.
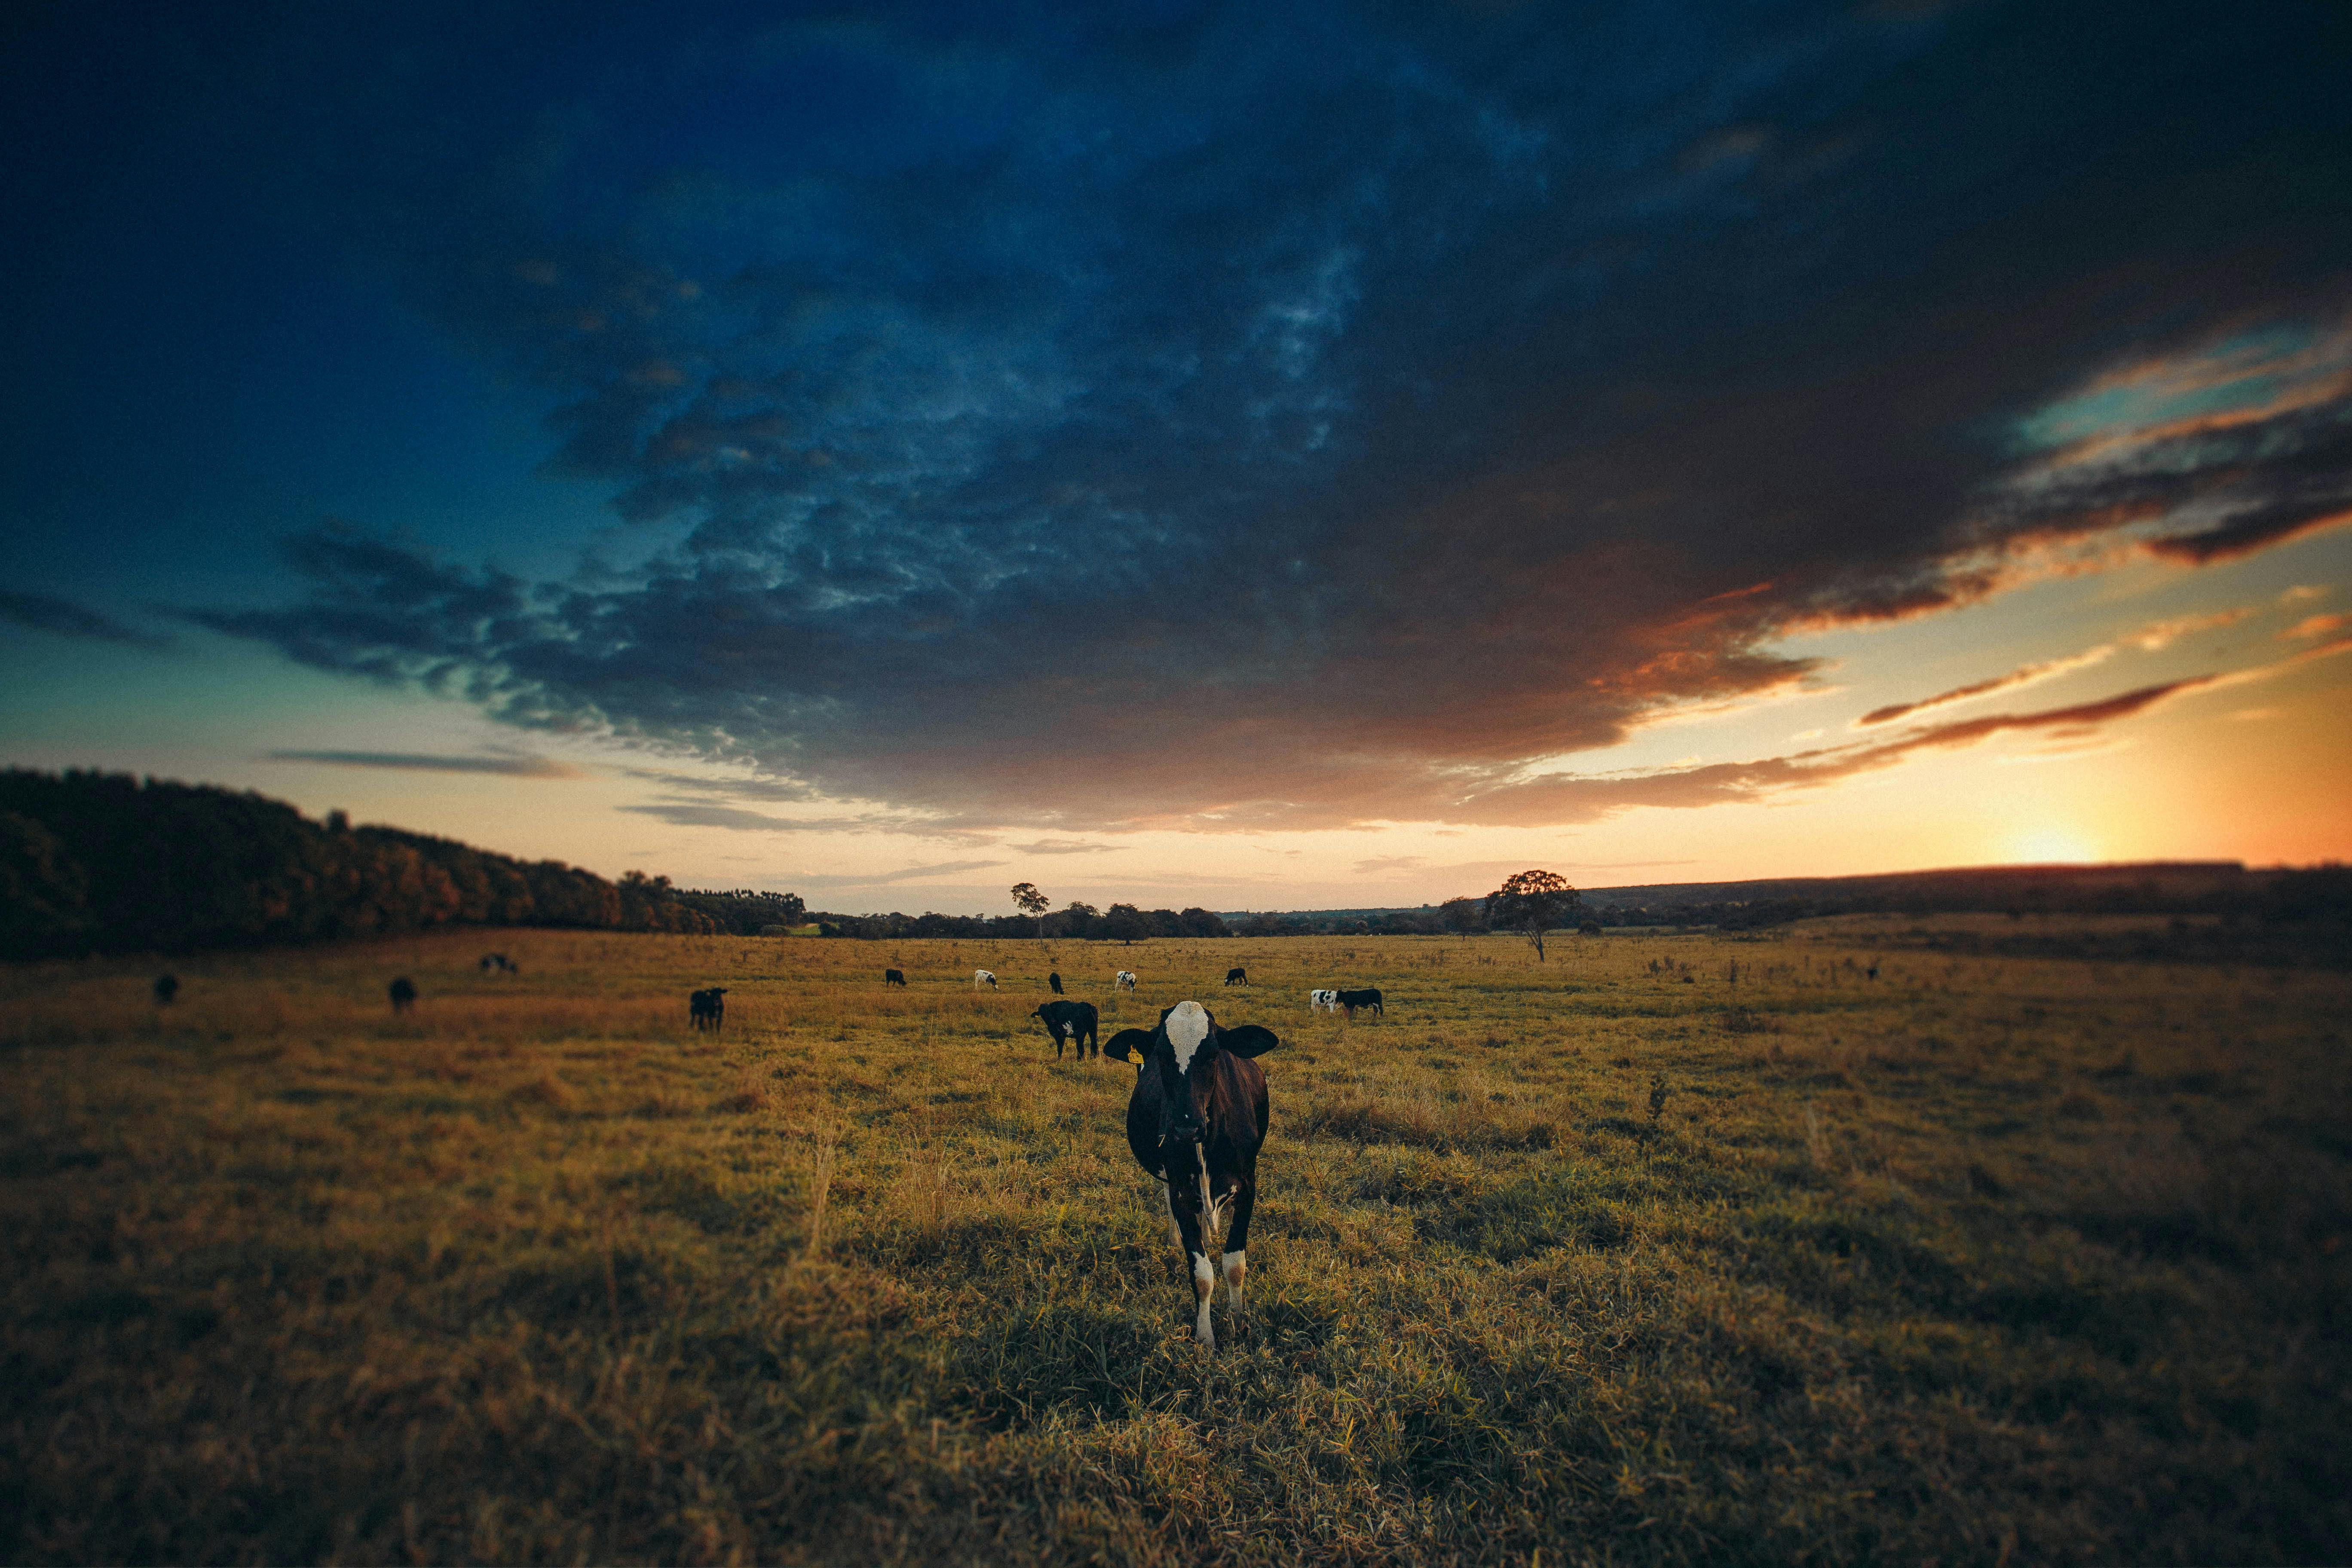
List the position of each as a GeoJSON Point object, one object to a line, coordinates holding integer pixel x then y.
{"type": "Point", "coordinates": [94, 862]}
{"type": "Point", "coordinates": [1079, 922]}
{"type": "Point", "coordinates": [746, 912]}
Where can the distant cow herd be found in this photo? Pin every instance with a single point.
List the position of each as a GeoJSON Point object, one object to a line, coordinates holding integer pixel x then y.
{"type": "Point", "coordinates": [1196, 1121]}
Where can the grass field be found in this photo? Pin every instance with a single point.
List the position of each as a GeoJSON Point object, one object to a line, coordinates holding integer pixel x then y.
{"type": "Point", "coordinates": [1610, 1259]}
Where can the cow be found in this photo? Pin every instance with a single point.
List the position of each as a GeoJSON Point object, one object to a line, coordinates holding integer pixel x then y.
{"type": "Point", "coordinates": [706, 1009]}
{"type": "Point", "coordinates": [167, 986]}
{"type": "Point", "coordinates": [893, 977]}
{"type": "Point", "coordinates": [1236, 976]}
{"type": "Point", "coordinates": [1071, 1022]}
{"type": "Point", "coordinates": [1124, 980]}
{"type": "Point", "coordinates": [1322, 1001]}
{"type": "Point", "coordinates": [1129, 1045]}
{"type": "Point", "coordinates": [497, 963]}
{"type": "Point", "coordinates": [1367, 997]}
{"type": "Point", "coordinates": [1196, 1122]}
{"type": "Point", "coordinates": [404, 995]}
{"type": "Point", "coordinates": [1054, 979]}
{"type": "Point", "coordinates": [980, 977]}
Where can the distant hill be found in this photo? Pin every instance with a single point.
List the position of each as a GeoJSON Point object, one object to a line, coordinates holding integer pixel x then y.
{"type": "Point", "coordinates": [2152, 886]}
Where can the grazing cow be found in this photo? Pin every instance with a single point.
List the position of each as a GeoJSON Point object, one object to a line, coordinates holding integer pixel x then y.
{"type": "Point", "coordinates": [1236, 976]}
{"type": "Point", "coordinates": [980, 977]}
{"type": "Point", "coordinates": [495, 963]}
{"type": "Point", "coordinates": [1322, 1001]}
{"type": "Point", "coordinates": [893, 977]}
{"type": "Point", "coordinates": [1129, 1045]}
{"type": "Point", "coordinates": [404, 995]}
{"type": "Point", "coordinates": [167, 986]}
{"type": "Point", "coordinates": [1071, 1022]}
{"type": "Point", "coordinates": [706, 1009]}
{"type": "Point", "coordinates": [1124, 980]}
{"type": "Point", "coordinates": [1367, 997]}
{"type": "Point", "coordinates": [1054, 979]}
{"type": "Point", "coordinates": [1196, 1121]}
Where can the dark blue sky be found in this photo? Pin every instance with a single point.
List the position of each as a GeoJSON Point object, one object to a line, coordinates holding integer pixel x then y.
{"type": "Point", "coordinates": [907, 401]}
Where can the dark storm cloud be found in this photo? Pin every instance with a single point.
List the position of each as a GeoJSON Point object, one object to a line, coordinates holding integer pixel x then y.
{"type": "Point", "coordinates": [1287, 417]}
{"type": "Point", "coordinates": [410, 761]}
{"type": "Point", "coordinates": [47, 612]}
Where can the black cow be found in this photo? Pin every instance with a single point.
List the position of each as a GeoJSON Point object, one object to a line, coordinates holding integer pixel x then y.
{"type": "Point", "coordinates": [167, 986]}
{"type": "Point", "coordinates": [1236, 976]}
{"type": "Point", "coordinates": [404, 995]}
{"type": "Point", "coordinates": [706, 1009]}
{"type": "Point", "coordinates": [1054, 979]}
{"type": "Point", "coordinates": [893, 977]}
{"type": "Point", "coordinates": [1367, 997]}
{"type": "Point", "coordinates": [1196, 1121]}
{"type": "Point", "coordinates": [1073, 1023]}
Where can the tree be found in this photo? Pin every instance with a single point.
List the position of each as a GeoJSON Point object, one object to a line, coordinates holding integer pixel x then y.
{"type": "Point", "coordinates": [1125, 923]}
{"type": "Point", "coordinates": [1032, 903]}
{"type": "Point", "coordinates": [1462, 916]}
{"type": "Point", "coordinates": [1531, 903]}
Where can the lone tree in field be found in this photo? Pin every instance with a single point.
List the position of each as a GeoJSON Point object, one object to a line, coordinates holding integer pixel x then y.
{"type": "Point", "coordinates": [1032, 903]}
{"type": "Point", "coordinates": [1531, 903]}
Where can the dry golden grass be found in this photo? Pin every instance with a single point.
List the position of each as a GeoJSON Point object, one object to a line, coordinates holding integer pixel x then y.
{"type": "Point", "coordinates": [2015, 1260]}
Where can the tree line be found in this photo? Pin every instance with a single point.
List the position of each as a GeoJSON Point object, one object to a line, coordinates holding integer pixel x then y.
{"type": "Point", "coordinates": [94, 862]}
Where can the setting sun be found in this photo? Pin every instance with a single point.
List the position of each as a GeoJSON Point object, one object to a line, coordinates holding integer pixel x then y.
{"type": "Point", "coordinates": [2051, 844]}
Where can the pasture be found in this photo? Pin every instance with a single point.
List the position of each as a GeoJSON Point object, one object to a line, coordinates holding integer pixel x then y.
{"type": "Point", "coordinates": [1609, 1259]}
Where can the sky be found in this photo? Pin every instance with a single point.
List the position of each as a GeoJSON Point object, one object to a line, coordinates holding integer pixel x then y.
{"type": "Point", "coordinates": [1258, 456]}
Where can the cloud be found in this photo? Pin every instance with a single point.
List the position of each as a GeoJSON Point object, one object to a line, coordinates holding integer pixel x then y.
{"type": "Point", "coordinates": [736, 818]}
{"type": "Point", "coordinates": [2318, 626]}
{"type": "Point", "coordinates": [1379, 863]}
{"type": "Point", "coordinates": [886, 879]}
{"type": "Point", "coordinates": [2025, 675]}
{"type": "Point", "coordinates": [1569, 797]}
{"type": "Point", "coordinates": [413, 761]}
{"type": "Point", "coordinates": [47, 612]}
{"type": "Point", "coordinates": [1064, 847]}
{"type": "Point", "coordinates": [1100, 428]}
{"type": "Point", "coordinates": [2162, 635]}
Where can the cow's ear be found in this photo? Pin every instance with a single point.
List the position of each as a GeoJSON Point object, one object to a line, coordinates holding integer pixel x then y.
{"type": "Point", "coordinates": [1248, 1041]}
{"type": "Point", "coordinates": [1129, 1045]}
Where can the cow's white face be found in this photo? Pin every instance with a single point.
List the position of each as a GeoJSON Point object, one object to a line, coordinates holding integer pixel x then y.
{"type": "Point", "coordinates": [1188, 1026]}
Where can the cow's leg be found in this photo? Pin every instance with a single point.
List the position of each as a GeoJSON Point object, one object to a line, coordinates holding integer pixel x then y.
{"type": "Point", "coordinates": [1236, 1258]}
{"type": "Point", "coordinates": [1175, 1231]}
{"type": "Point", "coordinates": [1189, 1223]}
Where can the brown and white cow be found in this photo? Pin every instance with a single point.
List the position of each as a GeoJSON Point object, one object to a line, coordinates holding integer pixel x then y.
{"type": "Point", "coordinates": [1196, 1121]}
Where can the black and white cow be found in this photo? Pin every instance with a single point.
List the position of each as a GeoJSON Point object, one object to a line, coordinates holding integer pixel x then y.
{"type": "Point", "coordinates": [1367, 997]}
{"type": "Point", "coordinates": [1124, 980]}
{"type": "Point", "coordinates": [980, 977]}
{"type": "Point", "coordinates": [1196, 1121]}
{"type": "Point", "coordinates": [404, 993]}
{"type": "Point", "coordinates": [894, 977]}
{"type": "Point", "coordinates": [1322, 1001]}
{"type": "Point", "coordinates": [1054, 979]}
{"type": "Point", "coordinates": [706, 1009]}
{"type": "Point", "coordinates": [498, 964]}
{"type": "Point", "coordinates": [1073, 1023]}
{"type": "Point", "coordinates": [1236, 976]}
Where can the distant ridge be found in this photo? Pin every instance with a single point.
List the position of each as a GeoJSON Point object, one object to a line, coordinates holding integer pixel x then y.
{"type": "Point", "coordinates": [2158, 886]}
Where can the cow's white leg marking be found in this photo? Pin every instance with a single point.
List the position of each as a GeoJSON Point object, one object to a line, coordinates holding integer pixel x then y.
{"type": "Point", "coordinates": [1204, 1281]}
{"type": "Point", "coordinates": [1236, 1270]}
